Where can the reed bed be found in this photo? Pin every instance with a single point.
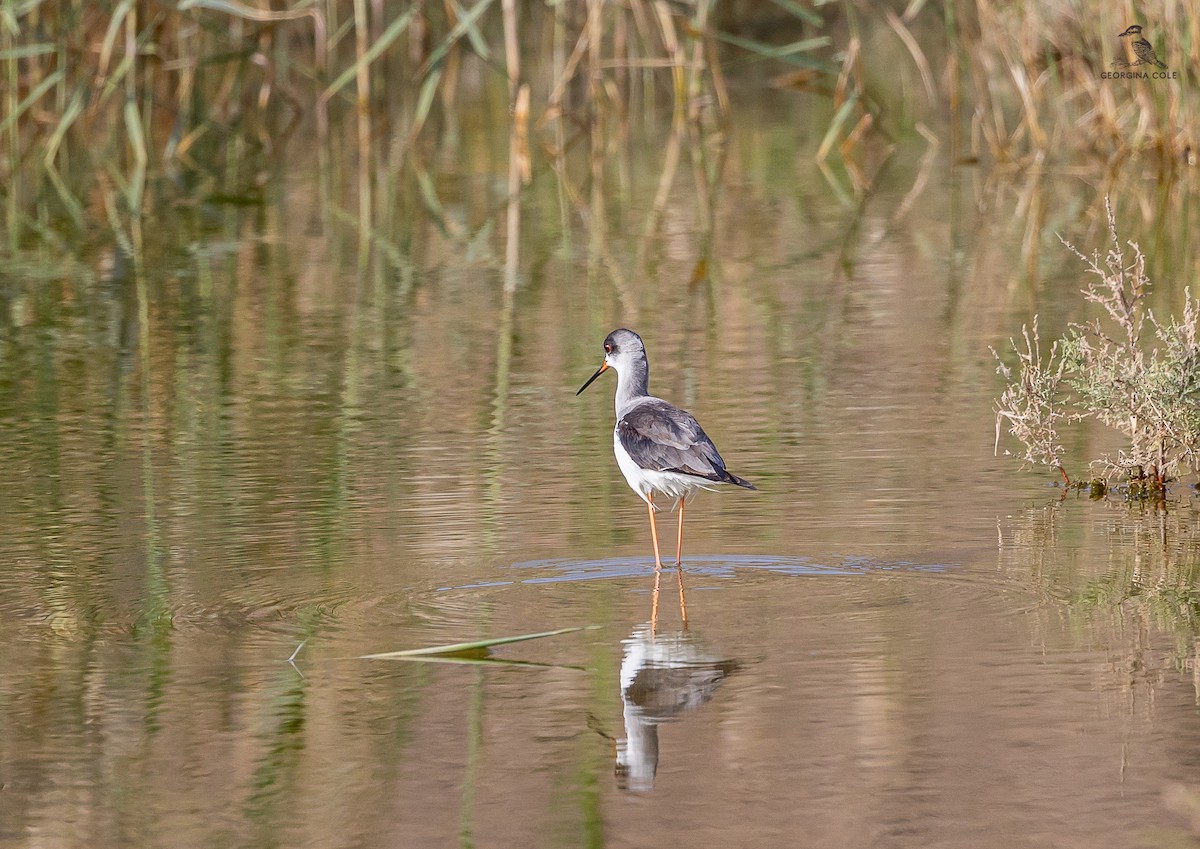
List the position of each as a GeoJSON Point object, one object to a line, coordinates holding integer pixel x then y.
{"type": "Point", "coordinates": [99, 98]}
{"type": "Point", "coordinates": [1045, 77]}
{"type": "Point", "coordinates": [113, 111]}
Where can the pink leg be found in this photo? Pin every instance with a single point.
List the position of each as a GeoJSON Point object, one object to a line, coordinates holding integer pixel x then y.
{"type": "Point", "coordinates": [679, 566]}
{"type": "Point", "coordinates": [657, 564]}
{"type": "Point", "coordinates": [679, 541]}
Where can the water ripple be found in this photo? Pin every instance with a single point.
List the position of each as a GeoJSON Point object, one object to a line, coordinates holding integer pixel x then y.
{"type": "Point", "coordinates": [555, 571]}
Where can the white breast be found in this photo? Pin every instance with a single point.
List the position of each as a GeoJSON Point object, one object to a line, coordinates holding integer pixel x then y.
{"type": "Point", "coordinates": [644, 481]}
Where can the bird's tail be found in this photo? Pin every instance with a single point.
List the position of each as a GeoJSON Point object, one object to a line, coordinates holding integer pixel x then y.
{"type": "Point", "coordinates": [732, 478]}
{"type": "Point", "coordinates": [1160, 64]}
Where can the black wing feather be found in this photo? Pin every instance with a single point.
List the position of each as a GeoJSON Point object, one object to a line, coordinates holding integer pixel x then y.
{"type": "Point", "coordinates": [664, 438]}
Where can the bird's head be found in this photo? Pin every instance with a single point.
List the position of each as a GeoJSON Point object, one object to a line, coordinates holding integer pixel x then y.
{"type": "Point", "coordinates": [621, 348]}
{"type": "Point", "coordinates": [1133, 30]}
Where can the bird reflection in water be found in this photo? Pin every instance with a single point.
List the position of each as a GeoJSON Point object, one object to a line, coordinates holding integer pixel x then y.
{"type": "Point", "coordinates": [663, 677]}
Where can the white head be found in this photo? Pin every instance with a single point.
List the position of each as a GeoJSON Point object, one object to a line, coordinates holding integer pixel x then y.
{"type": "Point", "coordinates": [624, 353]}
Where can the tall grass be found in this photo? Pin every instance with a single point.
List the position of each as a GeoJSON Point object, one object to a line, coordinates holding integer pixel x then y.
{"type": "Point", "coordinates": [1036, 84]}
{"type": "Point", "coordinates": [100, 96]}
{"type": "Point", "coordinates": [111, 108]}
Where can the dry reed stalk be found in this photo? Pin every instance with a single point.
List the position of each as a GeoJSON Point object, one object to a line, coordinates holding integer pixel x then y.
{"type": "Point", "coordinates": [449, 86]}
{"type": "Point", "coordinates": [644, 81]}
{"type": "Point", "coordinates": [844, 100]}
{"type": "Point", "coordinates": [1050, 57]}
{"type": "Point", "coordinates": [718, 77]}
{"type": "Point", "coordinates": [512, 48]}
{"type": "Point", "coordinates": [518, 146]}
{"type": "Point", "coordinates": [670, 41]}
{"type": "Point", "coordinates": [598, 114]}
{"type": "Point", "coordinates": [910, 42]}
{"type": "Point", "coordinates": [621, 73]}
{"type": "Point", "coordinates": [362, 44]}
{"type": "Point", "coordinates": [554, 101]}
{"type": "Point", "coordinates": [558, 156]}
{"type": "Point", "coordinates": [704, 184]}
{"type": "Point", "coordinates": [518, 172]}
{"type": "Point", "coordinates": [674, 145]}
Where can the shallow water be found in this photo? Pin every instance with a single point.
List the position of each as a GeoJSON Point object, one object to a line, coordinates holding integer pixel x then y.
{"type": "Point", "coordinates": [260, 443]}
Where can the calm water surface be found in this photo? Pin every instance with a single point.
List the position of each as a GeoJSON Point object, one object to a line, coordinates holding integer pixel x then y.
{"type": "Point", "coordinates": [263, 440]}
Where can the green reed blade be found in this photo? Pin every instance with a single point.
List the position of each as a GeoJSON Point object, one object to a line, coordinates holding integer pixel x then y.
{"type": "Point", "coordinates": [247, 12]}
{"type": "Point", "coordinates": [793, 8]}
{"type": "Point", "coordinates": [465, 23]}
{"type": "Point", "coordinates": [425, 102]}
{"type": "Point", "coordinates": [69, 116]}
{"type": "Point", "coordinates": [24, 51]}
{"type": "Point", "coordinates": [72, 203]}
{"type": "Point", "coordinates": [11, 13]}
{"type": "Point", "coordinates": [137, 140]}
{"type": "Point", "coordinates": [473, 34]}
{"type": "Point", "coordinates": [33, 97]}
{"type": "Point", "coordinates": [373, 52]}
{"type": "Point", "coordinates": [485, 660]}
{"type": "Point", "coordinates": [110, 35]}
{"type": "Point", "coordinates": [429, 195]}
{"type": "Point", "coordinates": [835, 127]}
{"type": "Point", "coordinates": [784, 52]}
{"type": "Point", "coordinates": [479, 647]}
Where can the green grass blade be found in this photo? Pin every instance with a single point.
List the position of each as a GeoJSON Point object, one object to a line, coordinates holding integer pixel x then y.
{"type": "Point", "coordinates": [794, 8]}
{"type": "Point", "coordinates": [133, 128]}
{"type": "Point", "coordinates": [483, 660]}
{"type": "Point", "coordinates": [465, 23]}
{"type": "Point", "coordinates": [479, 647]}
{"type": "Point", "coordinates": [473, 34]}
{"type": "Point", "coordinates": [24, 51]}
{"type": "Point", "coordinates": [773, 51]}
{"type": "Point", "coordinates": [11, 12]}
{"type": "Point", "coordinates": [425, 101]}
{"type": "Point", "coordinates": [430, 197]}
{"type": "Point", "coordinates": [110, 36]}
{"type": "Point", "coordinates": [248, 12]}
{"type": "Point", "coordinates": [70, 202]}
{"type": "Point", "coordinates": [33, 97]}
{"type": "Point", "coordinates": [835, 127]}
{"type": "Point", "coordinates": [373, 52]}
{"type": "Point", "coordinates": [70, 114]}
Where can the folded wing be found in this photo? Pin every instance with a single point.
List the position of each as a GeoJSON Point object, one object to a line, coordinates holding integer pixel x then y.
{"type": "Point", "coordinates": [664, 438]}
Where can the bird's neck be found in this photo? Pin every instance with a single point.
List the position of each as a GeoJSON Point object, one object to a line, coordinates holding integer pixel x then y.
{"type": "Point", "coordinates": [633, 382]}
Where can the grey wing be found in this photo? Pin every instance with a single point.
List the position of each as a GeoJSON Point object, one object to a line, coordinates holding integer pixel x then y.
{"type": "Point", "coordinates": [664, 438]}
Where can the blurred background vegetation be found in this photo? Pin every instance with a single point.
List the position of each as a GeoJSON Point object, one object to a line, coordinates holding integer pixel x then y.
{"type": "Point", "coordinates": [118, 112]}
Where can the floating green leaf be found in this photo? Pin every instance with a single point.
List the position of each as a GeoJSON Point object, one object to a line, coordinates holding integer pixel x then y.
{"type": "Point", "coordinates": [477, 650]}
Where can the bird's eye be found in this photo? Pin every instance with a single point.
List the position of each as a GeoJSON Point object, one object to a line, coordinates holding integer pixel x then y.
{"type": "Point", "coordinates": [608, 349]}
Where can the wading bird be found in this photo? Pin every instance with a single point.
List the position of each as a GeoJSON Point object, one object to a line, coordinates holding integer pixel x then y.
{"type": "Point", "coordinates": [660, 448]}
